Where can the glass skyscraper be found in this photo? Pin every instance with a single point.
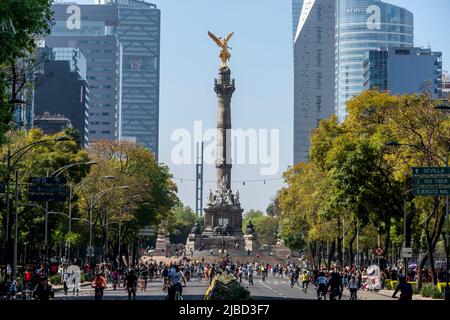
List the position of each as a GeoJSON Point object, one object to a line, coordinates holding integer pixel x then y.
{"type": "Point", "coordinates": [90, 28]}
{"type": "Point", "coordinates": [121, 41]}
{"type": "Point", "coordinates": [138, 29]}
{"type": "Point", "coordinates": [314, 63]}
{"type": "Point", "coordinates": [404, 71]}
{"type": "Point", "coordinates": [363, 25]}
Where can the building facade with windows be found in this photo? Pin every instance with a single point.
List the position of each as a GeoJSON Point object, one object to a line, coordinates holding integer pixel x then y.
{"type": "Point", "coordinates": [138, 30]}
{"type": "Point", "coordinates": [404, 71]}
{"type": "Point", "coordinates": [130, 31]}
{"type": "Point", "coordinates": [61, 89]}
{"type": "Point", "coordinates": [363, 25]}
{"type": "Point", "coordinates": [51, 124]}
{"type": "Point", "coordinates": [91, 29]}
{"type": "Point", "coordinates": [314, 63]}
{"type": "Point", "coordinates": [446, 84]}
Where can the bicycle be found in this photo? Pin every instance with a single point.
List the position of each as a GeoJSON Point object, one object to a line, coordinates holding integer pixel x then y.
{"type": "Point", "coordinates": [132, 291]}
{"type": "Point", "coordinates": [353, 294]}
{"type": "Point", "coordinates": [115, 281]}
{"type": "Point", "coordinates": [178, 295]}
{"type": "Point", "coordinates": [305, 286]}
{"type": "Point", "coordinates": [335, 293]}
{"type": "Point", "coordinates": [292, 282]}
{"type": "Point", "coordinates": [322, 293]}
{"type": "Point", "coordinates": [98, 294]}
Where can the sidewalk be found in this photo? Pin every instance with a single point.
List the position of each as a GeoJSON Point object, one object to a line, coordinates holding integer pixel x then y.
{"type": "Point", "coordinates": [415, 296]}
{"type": "Point", "coordinates": [389, 293]}
{"type": "Point", "coordinates": [57, 288]}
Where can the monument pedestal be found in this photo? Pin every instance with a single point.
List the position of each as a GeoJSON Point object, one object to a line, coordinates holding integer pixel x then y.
{"type": "Point", "coordinates": [194, 241]}
{"type": "Point", "coordinates": [162, 247]}
{"type": "Point", "coordinates": [251, 242]}
{"type": "Point", "coordinates": [281, 250]}
{"type": "Point", "coordinates": [222, 216]}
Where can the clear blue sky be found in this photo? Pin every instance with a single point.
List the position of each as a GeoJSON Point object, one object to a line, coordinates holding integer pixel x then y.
{"type": "Point", "coordinates": [262, 65]}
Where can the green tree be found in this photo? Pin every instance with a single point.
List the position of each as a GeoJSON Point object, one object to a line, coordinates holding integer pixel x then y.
{"type": "Point", "coordinates": [149, 195]}
{"type": "Point", "coordinates": [267, 230]}
{"type": "Point", "coordinates": [181, 220]}
{"type": "Point", "coordinates": [253, 216]}
{"type": "Point", "coordinates": [22, 23]}
{"type": "Point", "coordinates": [40, 160]}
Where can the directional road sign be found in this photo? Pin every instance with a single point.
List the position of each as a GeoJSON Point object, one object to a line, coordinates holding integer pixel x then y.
{"type": "Point", "coordinates": [407, 252]}
{"type": "Point", "coordinates": [431, 181]}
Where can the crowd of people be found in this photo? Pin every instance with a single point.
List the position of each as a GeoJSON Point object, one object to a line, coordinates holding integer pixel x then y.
{"type": "Point", "coordinates": [332, 282]}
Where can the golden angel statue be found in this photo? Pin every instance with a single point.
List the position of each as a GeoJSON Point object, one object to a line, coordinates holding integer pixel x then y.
{"type": "Point", "coordinates": [223, 44]}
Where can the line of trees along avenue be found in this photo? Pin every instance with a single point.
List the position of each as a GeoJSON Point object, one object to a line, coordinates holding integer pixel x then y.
{"type": "Point", "coordinates": [148, 198]}
{"type": "Point", "coordinates": [355, 186]}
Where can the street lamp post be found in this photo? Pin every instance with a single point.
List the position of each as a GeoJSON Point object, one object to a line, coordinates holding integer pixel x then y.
{"type": "Point", "coordinates": [93, 201]}
{"type": "Point", "coordinates": [120, 231]}
{"type": "Point", "coordinates": [445, 107]}
{"type": "Point", "coordinates": [10, 167]}
{"type": "Point", "coordinates": [16, 224]}
{"type": "Point", "coordinates": [405, 214]}
{"type": "Point", "coordinates": [56, 174]}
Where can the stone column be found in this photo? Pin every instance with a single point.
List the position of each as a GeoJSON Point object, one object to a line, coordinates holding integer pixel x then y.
{"type": "Point", "coordinates": [224, 88]}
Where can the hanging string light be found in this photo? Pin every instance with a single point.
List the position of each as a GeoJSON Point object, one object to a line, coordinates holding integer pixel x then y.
{"type": "Point", "coordinates": [181, 179]}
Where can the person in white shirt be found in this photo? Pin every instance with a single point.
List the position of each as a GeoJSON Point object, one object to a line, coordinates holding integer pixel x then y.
{"type": "Point", "coordinates": [176, 276]}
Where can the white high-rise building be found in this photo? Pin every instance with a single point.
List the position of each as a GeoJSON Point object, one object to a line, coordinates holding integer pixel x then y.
{"type": "Point", "coordinates": [314, 64]}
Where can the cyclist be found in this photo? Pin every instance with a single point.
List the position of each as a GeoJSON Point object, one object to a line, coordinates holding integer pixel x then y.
{"type": "Point", "coordinates": [165, 275]}
{"type": "Point", "coordinates": [321, 284]}
{"type": "Point", "coordinates": [43, 290]}
{"type": "Point", "coordinates": [335, 285]}
{"type": "Point", "coordinates": [353, 287]}
{"type": "Point", "coordinates": [115, 278]}
{"type": "Point", "coordinates": [131, 284]}
{"type": "Point", "coordinates": [294, 277]}
{"type": "Point", "coordinates": [250, 275]}
{"type": "Point", "coordinates": [99, 283]}
{"type": "Point", "coordinates": [305, 280]}
{"type": "Point", "coordinates": [211, 274]}
{"type": "Point", "coordinates": [176, 276]}
{"type": "Point", "coordinates": [263, 272]}
{"type": "Point", "coordinates": [405, 288]}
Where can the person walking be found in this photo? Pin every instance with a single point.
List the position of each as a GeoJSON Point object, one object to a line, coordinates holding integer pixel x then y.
{"type": "Point", "coordinates": [405, 288]}
{"type": "Point", "coordinates": [43, 290]}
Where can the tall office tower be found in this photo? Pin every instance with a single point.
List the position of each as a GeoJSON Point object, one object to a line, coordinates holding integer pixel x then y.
{"type": "Point", "coordinates": [314, 63]}
{"type": "Point", "coordinates": [404, 71]}
{"type": "Point", "coordinates": [296, 11]}
{"type": "Point", "coordinates": [363, 25]}
{"type": "Point", "coordinates": [138, 30]}
{"type": "Point", "coordinates": [136, 25]}
{"type": "Point", "coordinates": [91, 29]}
{"type": "Point", "coordinates": [61, 89]}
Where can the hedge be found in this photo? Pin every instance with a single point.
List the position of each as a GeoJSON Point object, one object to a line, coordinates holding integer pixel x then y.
{"type": "Point", "coordinates": [56, 278]}
{"type": "Point", "coordinates": [392, 284]}
{"type": "Point", "coordinates": [225, 287]}
{"type": "Point", "coordinates": [432, 291]}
